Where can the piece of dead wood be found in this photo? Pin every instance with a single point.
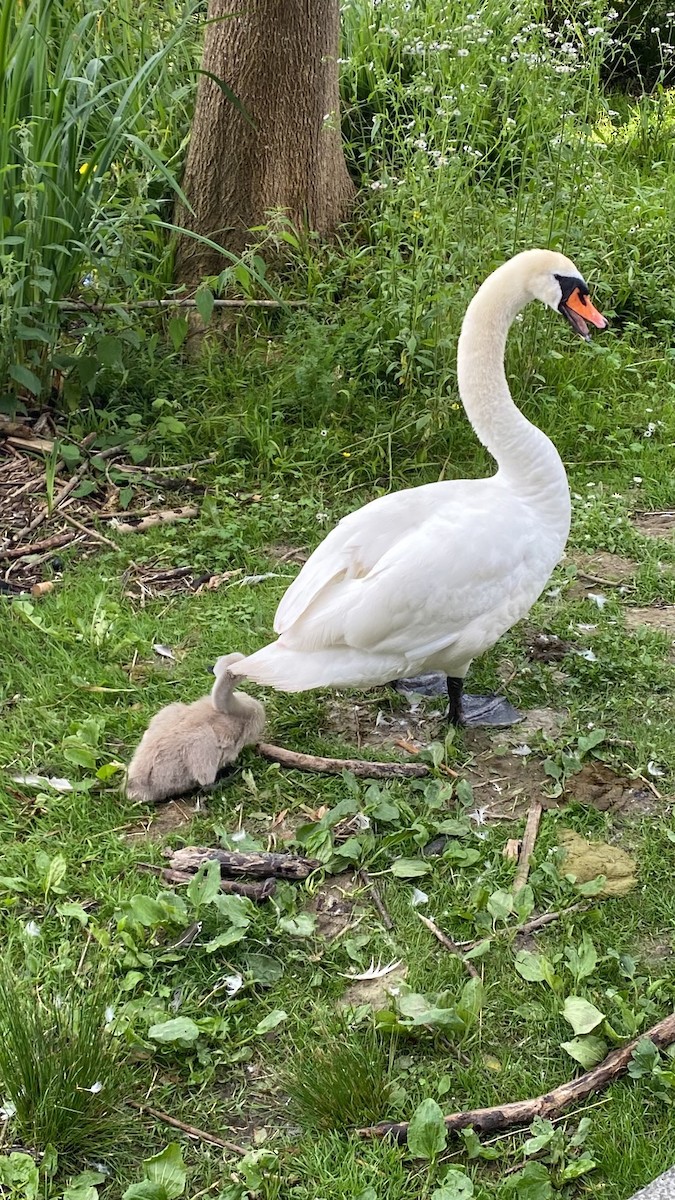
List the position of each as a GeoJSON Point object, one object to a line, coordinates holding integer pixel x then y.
{"type": "Point", "coordinates": [200, 1135]}
{"type": "Point", "coordinates": [449, 945]}
{"type": "Point", "coordinates": [100, 456]}
{"type": "Point", "coordinates": [39, 445]}
{"type": "Point", "coordinates": [258, 892]}
{"type": "Point", "coordinates": [511, 849]}
{"type": "Point", "coordinates": [167, 516]}
{"type": "Point", "coordinates": [232, 863]}
{"type": "Point", "coordinates": [549, 1105]}
{"type": "Point", "coordinates": [530, 926]}
{"type": "Point", "coordinates": [50, 543]}
{"type": "Point", "coordinates": [335, 766]}
{"type": "Point", "coordinates": [177, 302]}
{"type": "Point", "coordinates": [94, 533]}
{"type": "Point", "coordinates": [376, 898]}
{"type": "Point", "coordinates": [527, 845]}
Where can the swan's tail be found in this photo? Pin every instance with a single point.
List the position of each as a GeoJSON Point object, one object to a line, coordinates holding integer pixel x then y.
{"type": "Point", "coordinates": [288, 670]}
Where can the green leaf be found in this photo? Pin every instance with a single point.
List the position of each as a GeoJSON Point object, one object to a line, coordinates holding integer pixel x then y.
{"type": "Point", "coordinates": [581, 1014]}
{"type": "Point", "coordinates": [19, 1173]}
{"type": "Point", "coordinates": [204, 303]}
{"type": "Point", "coordinates": [543, 1133]}
{"type": "Point", "coordinates": [582, 961]}
{"type": "Point", "coordinates": [500, 905]}
{"type": "Point", "coordinates": [427, 1134]}
{"type": "Point", "coordinates": [578, 1167]}
{"type": "Point", "coordinates": [109, 351]}
{"type": "Point", "coordinates": [167, 1170]}
{"type": "Point", "coordinates": [644, 1060]}
{"type": "Point", "coordinates": [535, 968]}
{"type": "Point", "coordinates": [205, 884]}
{"type": "Point", "coordinates": [409, 868]}
{"type": "Point", "coordinates": [178, 1029]}
{"type": "Point", "coordinates": [263, 969]}
{"type": "Point", "coordinates": [178, 331]}
{"type": "Point", "coordinates": [532, 1183]}
{"type": "Point", "coordinates": [144, 1191]}
{"type": "Point", "coordinates": [84, 1186]}
{"type": "Point", "coordinates": [25, 378]}
{"type": "Point", "coordinates": [146, 910]}
{"type": "Point", "coordinates": [456, 1186]}
{"type": "Point", "coordinates": [471, 1000]}
{"type": "Point", "coordinates": [73, 910]}
{"type": "Point", "coordinates": [274, 1018]}
{"type": "Point", "coordinates": [302, 926]}
{"type": "Point", "coordinates": [586, 1050]}
{"type": "Point", "coordinates": [55, 873]}
{"type": "Point", "coordinates": [232, 935]}
{"type": "Point", "coordinates": [480, 950]}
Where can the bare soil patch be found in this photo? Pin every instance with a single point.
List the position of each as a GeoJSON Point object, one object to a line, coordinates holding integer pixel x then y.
{"type": "Point", "coordinates": [598, 569]}
{"type": "Point", "coordinates": [166, 818]}
{"type": "Point", "coordinates": [660, 617]}
{"type": "Point", "coordinates": [334, 905]}
{"type": "Point", "coordinates": [655, 524]}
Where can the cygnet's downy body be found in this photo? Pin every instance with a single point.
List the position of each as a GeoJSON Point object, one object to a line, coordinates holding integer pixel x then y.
{"type": "Point", "coordinates": [186, 745]}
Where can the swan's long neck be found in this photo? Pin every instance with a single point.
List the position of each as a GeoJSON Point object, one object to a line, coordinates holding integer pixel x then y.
{"type": "Point", "coordinates": [528, 461]}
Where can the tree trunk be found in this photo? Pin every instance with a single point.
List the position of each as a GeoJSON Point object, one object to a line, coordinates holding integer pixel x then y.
{"type": "Point", "coordinates": [279, 57]}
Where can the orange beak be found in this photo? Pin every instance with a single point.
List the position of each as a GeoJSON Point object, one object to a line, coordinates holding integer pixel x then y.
{"type": "Point", "coordinates": [579, 310]}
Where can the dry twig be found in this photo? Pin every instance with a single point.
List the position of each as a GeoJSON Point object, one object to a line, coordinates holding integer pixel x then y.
{"type": "Point", "coordinates": [50, 543]}
{"type": "Point", "coordinates": [449, 945]}
{"type": "Point", "coordinates": [258, 864]}
{"type": "Point", "coordinates": [335, 766]}
{"type": "Point", "coordinates": [94, 533]}
{"type": "Point", "coordinates": [187, 512]}
{"type": "Point", "coordinates": [549, 1105]}
{"type": "Point", "coordinates": [527, 845]}
{"type": "Point", "coordinates": [199, 1134]}
{"type": "Point", "coordinates": [376, 898]}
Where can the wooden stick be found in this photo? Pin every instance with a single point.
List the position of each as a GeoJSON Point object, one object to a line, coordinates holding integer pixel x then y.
{"type": "Point", "coordinates": [335, 766]}
{"type": "Point", "coordinates": [187, 512]}
{"type": "Point", "coordinates": [191, 1130]}
{"type": "Point", "coordinates": [70, 486]}
{"type": "Point", "coordinates": [549, 1105]}
{"type": "Point", "coordinates": [84, 306]}
{"type": "Point", "coordinates": [376, 898]}
{"type": "Point", "coordinates": [99, 537]}
{"type": "Point", "coordinates": [259, 864]}
{"type": "Point", "coordinates": [51, 543]}
{"type": "Point", "coordinates": [529, 926]}
{"type": "Point", "coordinates": [258, 892]}
{"type": "Point", "coordinates": [527, 845]}
{"type": "Point", "coordinates": [449, 945]}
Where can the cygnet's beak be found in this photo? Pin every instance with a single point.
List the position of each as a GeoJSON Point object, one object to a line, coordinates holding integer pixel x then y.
{"type": "Point", "coordinates": [579, 310]}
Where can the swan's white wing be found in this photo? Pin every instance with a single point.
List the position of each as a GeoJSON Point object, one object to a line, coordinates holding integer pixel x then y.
{"type": "Point", "coordinates": [440, 581]}
{"type": "Point", "coordinates": [356, 545]}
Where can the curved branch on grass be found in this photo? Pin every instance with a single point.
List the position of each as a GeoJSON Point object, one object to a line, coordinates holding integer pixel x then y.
{"type": "Point", "coordinates": [551, 1104]}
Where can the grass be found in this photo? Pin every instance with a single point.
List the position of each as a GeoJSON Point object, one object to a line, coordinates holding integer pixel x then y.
{"type": "Point", "coordinates": [463, 158]}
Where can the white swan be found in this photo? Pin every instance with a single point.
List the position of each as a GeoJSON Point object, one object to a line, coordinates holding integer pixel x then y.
{"type": "Point", "coordinates": [427, 578]}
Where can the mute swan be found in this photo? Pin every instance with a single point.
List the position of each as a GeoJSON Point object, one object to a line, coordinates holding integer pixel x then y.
{"type": "Point", "coordinates": [186, 745]}
{"type": "Point", "coordinates": [427, 578]}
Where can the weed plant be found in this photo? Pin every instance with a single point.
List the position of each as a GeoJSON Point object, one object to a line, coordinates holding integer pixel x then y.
{"type": "Point", "coordinates": [340, 1078]}
{"type": "Point", "coordinates": [60, 1070]}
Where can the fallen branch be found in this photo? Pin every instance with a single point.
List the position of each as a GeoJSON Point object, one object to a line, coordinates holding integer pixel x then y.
{"type": "Point", "coordinates": [449, 945]}
{"type": "Point", "coordinates": [549, 1105]}
{"type": "Point", "coordinates": [199, 1134]}
{"type": "Point", "coordinates": [376, 898]}
{"type": "Point", "coordinates": [187, 512]}
{"type": "Point", "coordinates": [94, 533]}
{"type": "Point", "coordinates": [335, 766]}
{"type": "Point", "coordinates": [232, 863]}
{"type": "Point", "coordinates": [84, 306]}
{"type": "Point", "coordinates": [529, 926]}
{"type": "Point", "coordinates": [527, 845]}
{"type": "Point", "coordinates": [72, 483]}
{"type": "Point", "coordinates": [257, 892]}
{"type": "Point", "coordinates": [50, 543]}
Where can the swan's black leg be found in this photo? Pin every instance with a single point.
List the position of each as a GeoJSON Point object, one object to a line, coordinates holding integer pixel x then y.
{"type": "Point", "coordinates": [454, 686]}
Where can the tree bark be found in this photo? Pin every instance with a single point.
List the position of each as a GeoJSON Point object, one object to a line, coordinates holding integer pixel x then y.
{"type": "Point", "coordinates": [279, 57]}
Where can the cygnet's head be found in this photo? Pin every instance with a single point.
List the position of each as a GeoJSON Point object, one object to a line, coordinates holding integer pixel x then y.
{"type": "Point", "coordinates": [554, 279]}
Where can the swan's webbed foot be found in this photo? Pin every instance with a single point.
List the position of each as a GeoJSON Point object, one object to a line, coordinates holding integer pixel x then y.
{"type": "Point", "coordinates": [463, 710]}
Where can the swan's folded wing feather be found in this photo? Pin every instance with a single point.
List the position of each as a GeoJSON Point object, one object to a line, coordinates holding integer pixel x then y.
{"type": "Point", "coordinates": [354, 547]}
